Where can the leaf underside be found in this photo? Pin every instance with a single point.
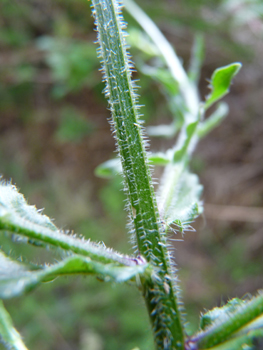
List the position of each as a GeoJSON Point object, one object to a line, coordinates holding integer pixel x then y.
{"type": "Point", "coordinates": [17, 278]}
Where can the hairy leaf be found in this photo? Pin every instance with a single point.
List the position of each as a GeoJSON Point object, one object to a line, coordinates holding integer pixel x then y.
{"type": "Point", "coordinates": [184, 205]}
{"type": "Point", "coordinates": [16, 278]}
{"type": "Point", "coordinates": [18, 217]}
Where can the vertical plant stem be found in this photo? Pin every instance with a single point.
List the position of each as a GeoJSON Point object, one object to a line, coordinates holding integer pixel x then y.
{"type": "Point", "coordinates": [160, 291]}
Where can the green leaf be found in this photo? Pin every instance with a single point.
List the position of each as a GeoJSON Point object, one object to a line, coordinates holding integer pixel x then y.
{"type": "Point", "coordinates": [18, 217]}
{"type": "Point", "coordinates": [13, 207]}
{"type": "Point", "coordinates": [112, 167]}
{"type": "Point", "coordinates": [8, 334]}
{"type": "Point", "coordinates": [163, 130]}
{"type": "Point", "coordinates": [16, 278]}
{"type": "Point", "coordinates": [185, 204]}
{"type": "Point", "coordinates": [137, 38]}
{"type": "Point", "coordinates": [220, 82]}
{"type": "Point", "coordinates": [162, 76]}
{"type": "Point", "coordinates": [109, 169]}
{"type": "Point", "coordinates": [159, 158]}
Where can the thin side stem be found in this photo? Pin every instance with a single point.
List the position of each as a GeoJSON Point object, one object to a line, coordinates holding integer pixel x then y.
{"type": "Point", "coordinates": [187, 88]}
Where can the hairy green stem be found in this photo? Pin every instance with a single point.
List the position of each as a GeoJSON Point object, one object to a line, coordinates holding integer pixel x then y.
{"type": "Point", "coordinates": [159, 292]}
{"type": "Point", "coordinates": [222, 331]}
{"type": "Point", "coordinates": [95, 251]}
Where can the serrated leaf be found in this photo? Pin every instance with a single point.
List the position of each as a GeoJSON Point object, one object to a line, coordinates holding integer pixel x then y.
{"type": "Point", "coordinates": [8, 334]}
{"type": "Point", "coordinates": [16, 278]}
{"type": "Point", "coordinates": [185, 204]}
{"type": "Point", "coordinates": [220, 82]}
{"type": "Point", "coordinates": [18, 217]}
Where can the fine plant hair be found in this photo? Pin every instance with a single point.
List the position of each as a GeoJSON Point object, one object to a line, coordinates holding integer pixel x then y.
{"type": "Point", "coordinates": [152, 216]}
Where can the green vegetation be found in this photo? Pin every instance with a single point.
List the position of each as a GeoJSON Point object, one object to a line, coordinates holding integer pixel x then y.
{"type": "Point", "coordinates": [153, 218]}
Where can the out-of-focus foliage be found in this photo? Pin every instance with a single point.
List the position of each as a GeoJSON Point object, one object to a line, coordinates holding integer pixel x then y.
{"type": "Point", "coordinates": [72, 63]}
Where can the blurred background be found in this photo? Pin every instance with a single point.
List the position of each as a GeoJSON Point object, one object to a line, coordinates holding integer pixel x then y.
{"type": "Point", "coordinates": [54, 133]}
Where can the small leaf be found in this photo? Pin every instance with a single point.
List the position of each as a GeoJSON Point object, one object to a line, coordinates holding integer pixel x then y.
{"type": "Point", "coordinates": [220, 82]}
{"type": "Point", "coordinates": [8, 334]}
{"type": "Point", "coordinates": [112, 167]}
{"type": "Point", "coordinates": [162, 76]}
{"type": "Point", "coordinates": [162, 130]}
{"type": "Point", "coordinates": [16, 278]}
{"type": "Point", "coordinates": [140, 40]}
{"type": "Point", "coordinates": [109, 169]}
{"type": "Point", "coordinates": [159, 159]}
{"type": "Point", "coordinates": [14, 207]}
{"type": "Point", "coordinates": [185, 203]}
